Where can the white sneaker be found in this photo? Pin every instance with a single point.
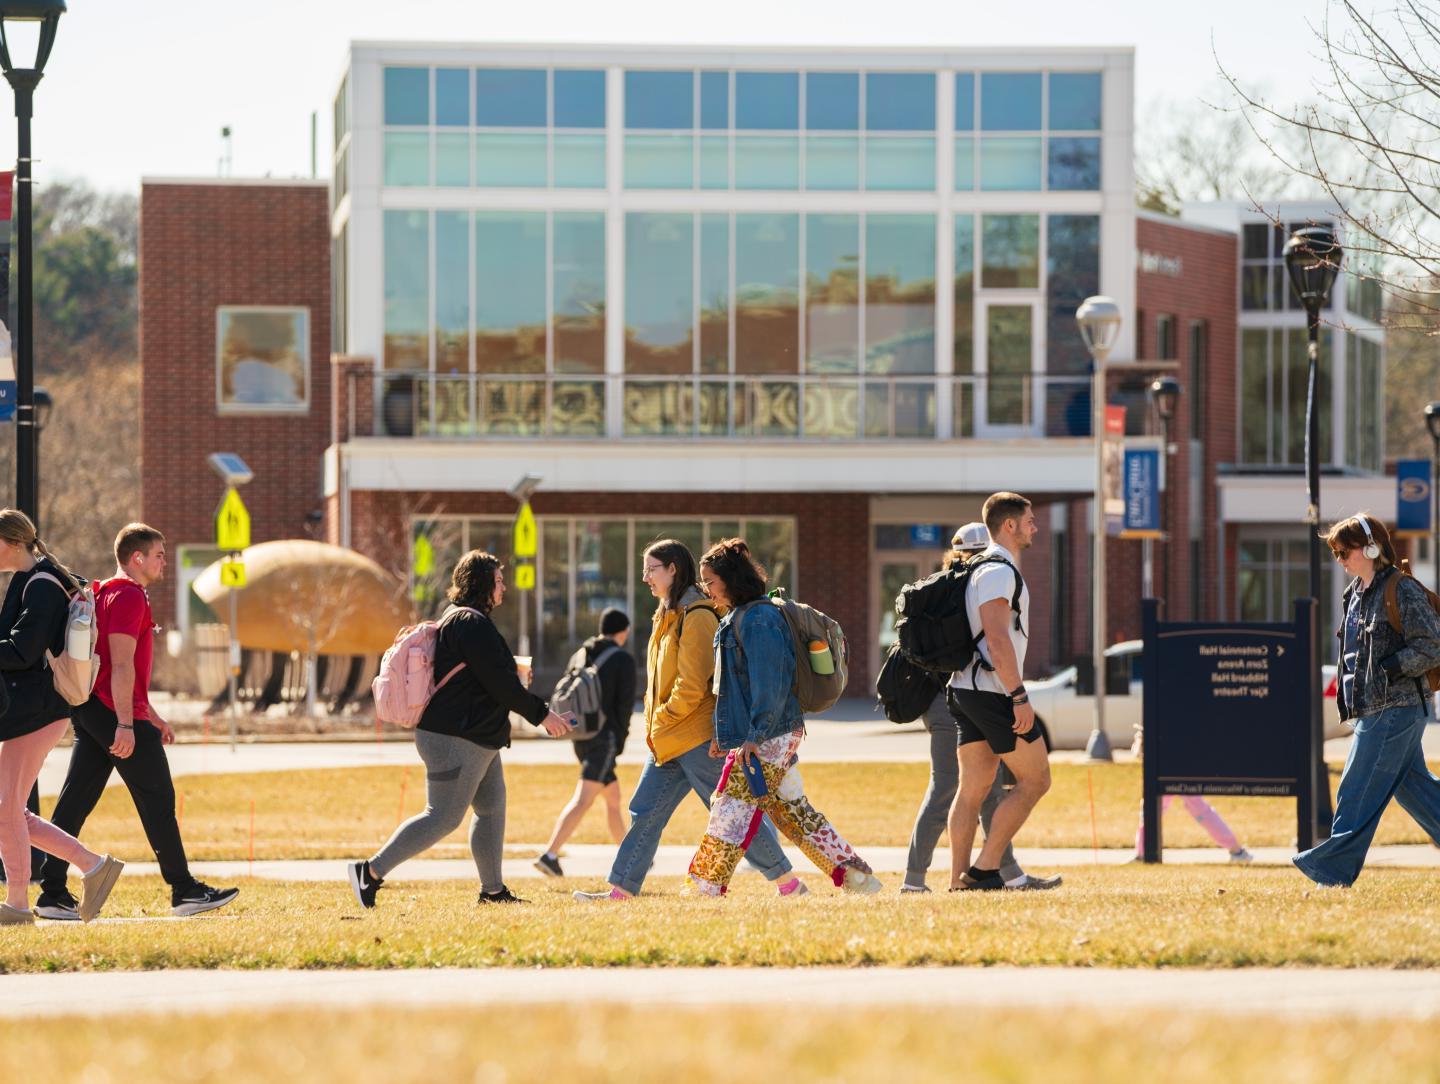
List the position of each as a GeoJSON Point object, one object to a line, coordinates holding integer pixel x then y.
{"type": "Point", "coordinates": [864, 884]}
{"type": "Point", "coordinates": [1242, 855]}
{"type": "Point", "coordinates": [908, 888]}
{"type": "Point", "coordinates": [591, 897]}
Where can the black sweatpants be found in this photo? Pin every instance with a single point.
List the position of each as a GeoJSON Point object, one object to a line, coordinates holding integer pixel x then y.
{"type": "Point", "coordinates": [145, 773]}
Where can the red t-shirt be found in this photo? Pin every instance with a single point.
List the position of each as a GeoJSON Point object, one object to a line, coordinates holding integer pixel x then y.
{"type": "Point", "coordinates": [122, 607]}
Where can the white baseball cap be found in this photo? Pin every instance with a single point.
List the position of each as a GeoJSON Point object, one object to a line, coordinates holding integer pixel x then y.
{"type": "Point", "coordinates": [972, 536]}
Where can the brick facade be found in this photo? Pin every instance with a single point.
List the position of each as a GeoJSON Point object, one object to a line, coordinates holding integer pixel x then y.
{"type": "Point", "coordinates": [203, 246]}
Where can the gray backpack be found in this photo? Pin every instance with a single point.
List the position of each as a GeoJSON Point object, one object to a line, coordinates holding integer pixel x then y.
{"type": "Point", "coordinates": [579, 691]}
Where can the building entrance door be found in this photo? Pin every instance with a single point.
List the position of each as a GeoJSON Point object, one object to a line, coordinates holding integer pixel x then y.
{"type": "Point", "coordinates": [1006, 336]}
{"type": "Point", "coordinates": [889, 573]}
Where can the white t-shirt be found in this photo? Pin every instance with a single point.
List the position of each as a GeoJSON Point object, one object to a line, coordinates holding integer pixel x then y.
{"type": "Point", "coordinates": [992, 581]}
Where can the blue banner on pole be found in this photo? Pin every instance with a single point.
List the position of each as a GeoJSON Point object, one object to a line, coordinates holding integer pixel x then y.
{"type": "Point", "coordinates": [1142, 492]}
{"type": "Point", "coordinates": [1412, 496]}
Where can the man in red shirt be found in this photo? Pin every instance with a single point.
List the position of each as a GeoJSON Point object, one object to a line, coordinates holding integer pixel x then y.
{"type": "Point", "coordinates": [119, 728]}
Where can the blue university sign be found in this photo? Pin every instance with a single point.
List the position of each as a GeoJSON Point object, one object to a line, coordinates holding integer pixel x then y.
{"type": "Point", "coordinates": [1412, 496]}
{"type": "Point", "coordinates": [1141, 490]}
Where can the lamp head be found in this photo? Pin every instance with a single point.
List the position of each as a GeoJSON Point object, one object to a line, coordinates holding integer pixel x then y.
{"type": "Point", "coordinates": [231, 468]}
{"type": "Point", "coordinates": [14, 14]}
{"type": "Point", "coordinates": [527, 485]}
{"type": "Point", "coordinates": [1099, 320]}
{"type": "Point", "coordinates": [1432, 420]}
{"type": "Point", "coordinates": [1165, 391]}
{"type": "Point", "coordinates": [1312, 257]}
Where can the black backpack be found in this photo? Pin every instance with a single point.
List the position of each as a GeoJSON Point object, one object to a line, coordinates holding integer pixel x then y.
{"type": "Point", "coordinates": [932, 628]}
{"type": "Point", "coordinates": [905, 691]}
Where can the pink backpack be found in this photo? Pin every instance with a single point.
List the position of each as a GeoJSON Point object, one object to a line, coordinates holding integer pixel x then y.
{"type": "Point", "coordinates": [406, 680]}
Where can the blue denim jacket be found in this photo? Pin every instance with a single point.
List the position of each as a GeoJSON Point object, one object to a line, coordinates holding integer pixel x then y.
{"type": "Point", "coordinates": [756, 696]}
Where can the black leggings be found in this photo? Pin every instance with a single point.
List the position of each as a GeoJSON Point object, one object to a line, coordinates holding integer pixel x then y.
{"type": "Point", "coordinates": [145, 773]}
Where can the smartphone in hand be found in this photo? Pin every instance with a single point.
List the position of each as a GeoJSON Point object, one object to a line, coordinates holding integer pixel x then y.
{"type": "Point", "coordinates": [755, 777]}
{"type": "Point", "coordinates": [571, 719]}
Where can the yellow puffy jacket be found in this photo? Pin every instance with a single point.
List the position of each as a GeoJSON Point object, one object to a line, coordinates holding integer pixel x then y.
{"type": "Point", "coordinates": [679, 700]}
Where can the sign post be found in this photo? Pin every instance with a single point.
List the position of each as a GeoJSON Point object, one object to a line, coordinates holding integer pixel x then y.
{"type": "Point", "coordinates": [1227, 711]}
{"type": "Point", "coordinates": [232, 534]}
{"type": "Point", "coordinates": [525, 545]}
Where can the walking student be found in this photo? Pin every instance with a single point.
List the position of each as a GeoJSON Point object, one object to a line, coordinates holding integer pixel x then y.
{"type": "Point", "coordinates": [119, 729]}
{"type": "Point", "coordinates": [969, 541]}
{"type": "Point", "coordinates": [616, 669]}
{"type": "Point", "coordinates": [995, 723]}
{"type": "Point", "coordinates": [460, 735]}
{"type": "Point", "coordinates": [680, 727]}
{"type": "Point", "coordinates": [1205, 814]}
{"type": "Point", "coordinates": [1381, 686]}
{"type": "Point", "coordinates": [33, 619]}
{"type": "Point", "coordinates": [759, 727]}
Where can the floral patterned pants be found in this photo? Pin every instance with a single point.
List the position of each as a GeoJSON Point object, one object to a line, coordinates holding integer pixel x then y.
{"type": "Point", "coordinates": [735, 816]}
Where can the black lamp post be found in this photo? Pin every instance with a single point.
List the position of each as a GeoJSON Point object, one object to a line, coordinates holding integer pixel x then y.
{"type": "Point", "coordinates": [1312, 257]}
{"type": "Point", "coordinates": [1165, 392]}
{"type": "Point", "coordinates": [43, 403]}
{"type": "Point", "coordinates": [24, 80]}
{"type": "Point", "coordinates": [1432, 423]}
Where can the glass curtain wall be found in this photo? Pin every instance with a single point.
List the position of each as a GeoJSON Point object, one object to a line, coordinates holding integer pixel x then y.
{"type": "Point", "coordinates": [1274, 371]}
{"type": "Point", "coordinates": [1028, 131]}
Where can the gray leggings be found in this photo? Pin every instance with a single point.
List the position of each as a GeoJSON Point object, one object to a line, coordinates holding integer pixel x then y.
{"type": "Point", "coordinates": [934, 813]}
{"type": "Point", "coordinates": [458, 774]}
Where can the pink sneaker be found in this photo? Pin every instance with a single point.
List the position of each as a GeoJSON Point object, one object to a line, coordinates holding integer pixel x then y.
{"type": "Point", "coordinates": [793, 887]}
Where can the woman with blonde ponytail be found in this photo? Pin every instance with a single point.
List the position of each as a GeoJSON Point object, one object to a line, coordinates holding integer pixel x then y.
{"type": "Point", "coordinates": [33, 621]}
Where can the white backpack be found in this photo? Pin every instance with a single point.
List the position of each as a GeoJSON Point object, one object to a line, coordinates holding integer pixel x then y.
{"type": "Point", "coordinates": [74, 676]}
{"type": "Point", "coordinates": [579, 691]}
{"type": "Point", "coordinates": [406, 680]}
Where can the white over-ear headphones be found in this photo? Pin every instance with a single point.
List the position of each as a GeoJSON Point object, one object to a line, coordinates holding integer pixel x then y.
{"type": "Point", "coordinates": [1372, 549]}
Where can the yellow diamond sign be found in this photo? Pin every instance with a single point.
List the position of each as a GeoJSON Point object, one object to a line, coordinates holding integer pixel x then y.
{"type": "Point", "coordinates": [232, 573]}
{"type": "Point", "coordinates": [525, 577]}
{"type": "Point", "coordinates": [526, 534]}
{"type": "Point", "coordinates": [232, 523]}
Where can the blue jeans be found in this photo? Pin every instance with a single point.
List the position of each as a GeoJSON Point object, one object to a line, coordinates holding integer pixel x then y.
{"type": "Point", "coordinates": [661, 789]}
{"type": "Point", "coordinates": [1385, 761]}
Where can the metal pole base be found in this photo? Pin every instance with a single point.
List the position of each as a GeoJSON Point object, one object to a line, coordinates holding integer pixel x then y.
{"type": "Point", "coordinates": [1098, 747]}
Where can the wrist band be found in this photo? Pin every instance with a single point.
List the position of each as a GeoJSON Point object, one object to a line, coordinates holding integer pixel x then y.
{"type": "Point", "coordinates": [124, 726]}
{"type": "Point", "coordinates": [1019, 690]}
{"type": "Point", "coordinates": [1025, 699]}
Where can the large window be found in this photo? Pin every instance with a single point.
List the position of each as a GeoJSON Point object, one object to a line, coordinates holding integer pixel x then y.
{"type": "Point", "coordinates": [494, 127]}
{"type": "Point", "coordinates": [585, 564]}
{"type": "Point", "coordinates": [1264, 284]}
{"type": "Point", "coordinates": [1274, 570]}
{"type": "Point", "coordinates": [1364, 401]}
{"type": "Point", "coordinates": [262, 360]}
{"type": "Point", "coordinates": [1274, 373]}
{"type": "Point", "coordinates": [1027, 131]}
{"type": "Point", "coordinates": [854, 131]}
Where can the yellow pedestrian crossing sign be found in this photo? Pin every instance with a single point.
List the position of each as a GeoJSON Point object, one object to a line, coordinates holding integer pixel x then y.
{"type": "Point", "coordinates": [232, 573]}
{"type": "Point", "coordinates": [232, 523]}
{"type": "Point", "coordinates": [526, 534]}
{"type": "Point", "coordinates": [525, 577]}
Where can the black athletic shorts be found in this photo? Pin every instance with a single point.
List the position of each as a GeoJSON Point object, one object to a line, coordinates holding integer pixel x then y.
{"type": "Point", "coordinates": [987, 717]}
{"type": "Point", "coordinates": [597, 758]}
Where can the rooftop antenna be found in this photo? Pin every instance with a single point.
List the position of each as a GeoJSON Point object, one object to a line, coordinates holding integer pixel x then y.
{"type": "Point", "coordinates": [225, 152]}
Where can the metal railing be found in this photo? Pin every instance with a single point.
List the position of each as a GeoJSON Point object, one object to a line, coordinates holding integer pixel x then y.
{"type": "Point", "coordinates": [829, 407]}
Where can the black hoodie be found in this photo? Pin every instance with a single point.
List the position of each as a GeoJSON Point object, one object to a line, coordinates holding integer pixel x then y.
{"type": "Point", "coordinates": [476, 703]}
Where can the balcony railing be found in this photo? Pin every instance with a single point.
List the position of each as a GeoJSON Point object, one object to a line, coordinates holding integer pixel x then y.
{"type": "Point", "coordinates": [692, 407]}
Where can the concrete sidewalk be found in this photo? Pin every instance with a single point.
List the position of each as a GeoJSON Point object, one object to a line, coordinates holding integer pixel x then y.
{"type": "Point", "coordinates": [591, 862]}
{"type": "Point", "coordinates": [1247, 992]}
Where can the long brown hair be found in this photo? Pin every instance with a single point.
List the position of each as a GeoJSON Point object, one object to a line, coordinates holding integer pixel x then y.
{"type": "Point", "coordinates": [744, 579]}
{"type": "Point", "coordinates": [473, 581]}
{"type": "Point", "coordinates": [18, 528]}
{"type": "Point", "coordinates": [1349, 534]}
{"type": "Point", "coordinates": [671, 551]}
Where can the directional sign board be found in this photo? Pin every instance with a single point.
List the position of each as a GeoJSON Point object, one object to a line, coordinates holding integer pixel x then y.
{"type": "Point", "coordinates": [232, 523]}
{"type": "Point", "coordinates": [525, 577]}
{"type": "Point", "coordinates": [1227, 711]}
{"type": "Point", "coordinates": [526, 534]}
{"type": "Point", "coordinates": [232, 573]}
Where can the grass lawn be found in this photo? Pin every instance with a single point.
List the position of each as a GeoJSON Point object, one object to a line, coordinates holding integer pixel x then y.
{"type": "Point", "coordinates": [1104, 916]}
{"type": "Point", "coordinates": [643, 1046]}
{"type": "Point", "coordinates": [342, 813]}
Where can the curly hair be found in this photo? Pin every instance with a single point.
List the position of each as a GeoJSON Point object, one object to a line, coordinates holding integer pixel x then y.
{"type": "Point", "coordinates": [744, 579]}
{"type": "Point", "coordinates": [473, 581]}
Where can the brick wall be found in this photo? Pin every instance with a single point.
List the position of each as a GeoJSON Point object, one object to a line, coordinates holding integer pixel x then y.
{"type": "Point", "coordinates": [203, 246]}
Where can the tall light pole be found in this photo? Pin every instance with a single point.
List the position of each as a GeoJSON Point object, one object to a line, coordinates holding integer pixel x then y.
{"type": "Point", "coordinates": [43, 403]}
{"type": "Point", "coordinates": [1432, 423]}
{"type": "Point", "coordinates": [1099, 320]}
{"type": "Point", "coordinates": [1312, 257]}
{"type": "Point", "coordinates": [24, 80]}
{"type": "Point", "coordinates": [1165, 392]}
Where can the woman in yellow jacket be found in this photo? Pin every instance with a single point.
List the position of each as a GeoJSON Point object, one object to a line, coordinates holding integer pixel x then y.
{"type": "Point", "coordinates": [680, 727]}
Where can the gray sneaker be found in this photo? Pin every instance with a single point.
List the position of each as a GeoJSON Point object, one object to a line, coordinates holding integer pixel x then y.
{"type": "Point", "coordinates": [1036, 884]}
{"type": "Point", "coordinates": [908, 889]}
{"type": "Point", "coordinates": [96, 885]}
{"type": "Point", "coordinates": [14, 916]}
{"type": "Point", "coordinates": [1242, 855]}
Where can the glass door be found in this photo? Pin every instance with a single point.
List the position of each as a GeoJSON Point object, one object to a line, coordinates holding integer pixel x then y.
{"type": "Point", "coordinates": [1007, 333]}
{"type": "Point", "coordinates": [892, 571]}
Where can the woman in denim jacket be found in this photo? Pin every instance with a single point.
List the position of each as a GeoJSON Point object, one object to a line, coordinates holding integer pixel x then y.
{"type": "Point", "coordinates": [758, 721]}
{"type": "Point", "coordinates": [1380, 683]}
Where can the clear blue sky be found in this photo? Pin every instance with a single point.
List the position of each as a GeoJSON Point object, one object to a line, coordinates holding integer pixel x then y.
{"type": "Point", "coordinates": [142, 87]}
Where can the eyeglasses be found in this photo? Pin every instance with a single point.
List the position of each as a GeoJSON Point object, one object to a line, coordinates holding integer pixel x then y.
{"type": "Point", "coordinates": [1340, 555]}
{"type": "Point", "coordinates": [648, 569]}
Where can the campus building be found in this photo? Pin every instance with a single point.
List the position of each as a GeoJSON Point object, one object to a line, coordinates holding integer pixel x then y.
{"type": "Point", "coordinates": [823, 299]}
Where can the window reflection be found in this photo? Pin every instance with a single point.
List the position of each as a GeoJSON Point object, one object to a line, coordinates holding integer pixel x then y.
{"type": "Point", "coordinates": [1010, 252]}
{"type": "Point", "coordinates": [1072, 274]}
{"type": "Point", "coordinates": [407, 158]}
{"type": "Point", "coordinates": [1010, 101]}
{"type": "Point", "coordinates": [1074, 164]}
{"type": "Point", "coordinates": [715, 293]}
{"type": "Point", "coordinates": [1075, 101]}
{"type": "Point", "coordinates": [510, 333]}
{"type": "Point", "coordinates": [1010, 164]}
{"type": "Point", "coordinates": [452, 291]}
{"type": "Point", "coordinates": [452, 97]}
{"type": "Point", "coordinates": [767, 283]}
{"type": "Point", "coordinates": [579, 98]}
{"type": "Point", "coordinates": [832, 101]}
{"type": "Point", "coordinates": [659, 99]}
{"type": "Point", "coordinates": [510, 98]}
{"type": "Point", "coordinates": [659, 293]}
{"type": "Point", "coordinates": [832, 313]}
{"type": "Point", "coordinates": [899, 164]}
{"type": "Point", "coordinates": [407, 282]}
{"type": "Point", "coordinates": [900, 294]}
{"type": "Point", "coordinates": [767, 101]}
{"type": "Point", "coordinates": [900, 102]}
{"type": "Point", "coordinates": [579, 292]}
{"type": "Point", "coordinates": [407, 95]}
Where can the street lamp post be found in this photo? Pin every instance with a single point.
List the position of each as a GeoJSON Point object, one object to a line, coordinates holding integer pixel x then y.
{"type": "Point", "coordinates": [43, 403]}
{"type": "Point", "coordinates": [1165, 391]}
{"type": "Point", "coordinates": [1099, 320]}
{"type": "Point", "coordinates": [24, 80]}
{"type": "Point", "coordinates": [1432, 423]}
{"type": "Point", "coordinates": [1312, 258]}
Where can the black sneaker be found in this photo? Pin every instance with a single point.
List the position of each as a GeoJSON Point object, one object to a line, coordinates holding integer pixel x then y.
{"type": "Point", "coordinates": [549, 866]}
{"type": "Point", "coordinates": [503, 896]}
{"type": "Point", "coordinates": [58, 906]}
{"type": "Point", "coordinates": [364, 883]}
{"type": "Point", "coordinates": [198, 898]}
{"type": "Point", "coordinates": [984, 884]}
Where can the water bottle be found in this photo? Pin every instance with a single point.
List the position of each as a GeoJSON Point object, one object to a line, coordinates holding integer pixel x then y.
{"type": "Point", "coordinates": [77, 639]}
